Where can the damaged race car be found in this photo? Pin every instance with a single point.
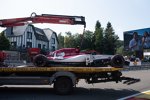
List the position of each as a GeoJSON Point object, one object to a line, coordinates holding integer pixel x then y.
{"type": "Point", "coordinates": [72, 57]}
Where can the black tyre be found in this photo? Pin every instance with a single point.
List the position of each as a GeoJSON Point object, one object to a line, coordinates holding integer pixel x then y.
{"type": "Point", "coordinates": [63, 86]}
{"type": "Point", "coordinates": [40, 60]}
{"type": "Point", "coordinates": [117, 61]}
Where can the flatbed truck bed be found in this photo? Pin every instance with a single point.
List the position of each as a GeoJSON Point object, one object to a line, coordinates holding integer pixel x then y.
{"type": "Point", "coordinates": [53, 69]}
{"type": "Point", "coordinates": [63, 78]}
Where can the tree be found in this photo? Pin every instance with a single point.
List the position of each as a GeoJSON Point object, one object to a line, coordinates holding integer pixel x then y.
{"type": "Point", "coordinates": [87, 42]}
{"type": "Point", "coordinates": [77, 39]}
{"type": "Point", "coordinates": [98, 37]}
{"type": "Point", "coordinates": [120, 50]}
{"type": "Point", "coordinates": [69, 41]}
{"type": "Point", "coordinates": [120, 47]}
{"type": "Point", "coordinates": [84, 41]}
{"type": "Point", "coordinates": [110, 40]}
{"type": "Point", "coordinates": [61, 41]}
{"type": "Point", "coordinates": [119, 43]}
{"type": "Point", "coordinates": [4, 42]}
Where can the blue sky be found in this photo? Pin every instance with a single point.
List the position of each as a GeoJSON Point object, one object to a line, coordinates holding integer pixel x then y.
{"type": "Point", "coordinates": [123, 14]}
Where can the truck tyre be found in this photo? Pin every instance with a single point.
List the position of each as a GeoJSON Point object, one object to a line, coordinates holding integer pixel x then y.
{"type": "Point", "coordinates": [63, 86]}
{"type": "Point", "coordinates": [40, 60]}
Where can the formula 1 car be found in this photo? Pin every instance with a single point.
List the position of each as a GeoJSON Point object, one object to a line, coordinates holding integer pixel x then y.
{"type": "Point", "coordinates": [72, 57]}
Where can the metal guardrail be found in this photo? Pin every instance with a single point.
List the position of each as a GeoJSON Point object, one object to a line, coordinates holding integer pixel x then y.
{"type": "Point", "coordinates": [14, 63]}
{"type": "Point", "coordinates": [144, 66]}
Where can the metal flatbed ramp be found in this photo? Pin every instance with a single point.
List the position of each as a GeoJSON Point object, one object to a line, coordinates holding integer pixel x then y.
{"type": "Point", "coordinates": [53, 69]}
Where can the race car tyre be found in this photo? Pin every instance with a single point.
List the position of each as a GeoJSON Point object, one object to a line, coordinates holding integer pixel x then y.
{"type": "Point", "coordinates": [117, 61]}
{"type": "Point", "coordinates": [40, 60]}
{"type": "Point", "coordinates": [63, 86]}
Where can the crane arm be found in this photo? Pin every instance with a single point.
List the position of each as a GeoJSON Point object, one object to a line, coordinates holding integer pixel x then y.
{"type": "Point", "coordinates": [44, 18]}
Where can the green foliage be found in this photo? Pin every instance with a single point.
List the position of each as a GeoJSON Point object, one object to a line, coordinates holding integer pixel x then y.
{"type": "Point", "coordinates": [120, 47]}
{"type": "Point", "coordinates": [110, 40]}
{"type": "Point", "coordinates": [127, 53]}
{"type": "Point", "coordinates": [98, 37]}
{"type": "Point", "coordinates": [120, 50]}
{"type": "Point", "coordinates": [69, 40]}
{"type": "Point", "coordinates": [74, 40]}
{"type": "Point", "coordinates": [77, 39]}
{"type": "Point", "coordinates": [61, 41]}
{"type": "Point", "coordinates": [4, 42]}
{"type": "Point", "coordinates": [102, 40]}
{"type": "Point", "coordinates": [87, 42]}
{"type": "Point", "coordinates": [119, 43]}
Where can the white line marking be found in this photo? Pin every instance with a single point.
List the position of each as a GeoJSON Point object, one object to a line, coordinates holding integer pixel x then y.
{"type": "Point", "coordinates": [124, 98]}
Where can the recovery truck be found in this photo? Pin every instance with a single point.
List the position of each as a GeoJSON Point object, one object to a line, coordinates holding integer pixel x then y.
{"type": "Point", "coordinates": [64, 77]}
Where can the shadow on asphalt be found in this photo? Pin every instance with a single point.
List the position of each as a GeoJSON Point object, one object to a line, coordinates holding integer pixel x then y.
{"type": "Point", "coordinates": [13, 93]}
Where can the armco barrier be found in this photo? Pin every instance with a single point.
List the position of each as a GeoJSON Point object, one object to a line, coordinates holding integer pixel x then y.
{"type": "Point", "coordinates": [144, 66]}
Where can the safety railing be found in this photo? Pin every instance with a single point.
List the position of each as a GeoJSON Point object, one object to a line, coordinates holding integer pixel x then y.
{"type": "Point", "coordinates": [144, 66]}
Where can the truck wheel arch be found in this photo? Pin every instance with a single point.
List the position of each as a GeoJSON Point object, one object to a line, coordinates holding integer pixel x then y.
{"type": "Point", "coordinates": [69, 75]}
